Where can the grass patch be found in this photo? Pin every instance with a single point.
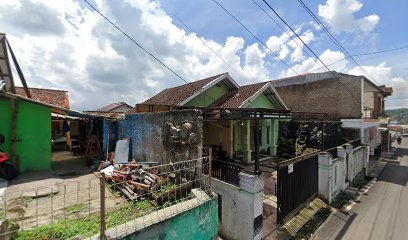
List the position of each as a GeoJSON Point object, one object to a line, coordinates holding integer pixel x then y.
{"type": "Point", "coordinates": [311, 226]}
{"type": "Point", "coordinates": [76, 208]}
{"type": "Point", "coordinates": [85, 226]}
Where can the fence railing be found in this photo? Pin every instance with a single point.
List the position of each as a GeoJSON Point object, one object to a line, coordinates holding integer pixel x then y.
{"type": "Point", "coordinates": [225, 171]}
{"type": "Point", "coordinates": [111, 204]}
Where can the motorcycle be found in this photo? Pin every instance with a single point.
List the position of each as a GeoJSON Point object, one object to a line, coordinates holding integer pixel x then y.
{"type": "Point", "coordinates": [8, 170]}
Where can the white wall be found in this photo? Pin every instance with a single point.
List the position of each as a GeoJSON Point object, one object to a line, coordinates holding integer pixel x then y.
{"type": "Point", "coordinates": [333, 175]}
{"type": "Point", "coordinates": [239, 209]}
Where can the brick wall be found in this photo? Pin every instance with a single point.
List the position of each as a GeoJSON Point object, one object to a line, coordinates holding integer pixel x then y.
{"type": "Point", "coordinates": [339, 98]}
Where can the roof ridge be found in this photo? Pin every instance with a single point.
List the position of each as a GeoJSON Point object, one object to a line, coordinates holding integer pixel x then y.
{"type": "Point", "coordinates": [193, 82]}
{"type": "Point", "coordinates": [48, 89]}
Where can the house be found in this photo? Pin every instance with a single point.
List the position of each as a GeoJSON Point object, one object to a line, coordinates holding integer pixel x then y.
{"type": "Point", "coordinates": [235, 135]}
{"type": "Point", "coordinates": [38, 126]}
{"type": "Point", "coordinates": [112, 109]}
{"type": "Point", "coordinates": [54, 97]}
{"type": "Point", "coordinates": [354, 100]}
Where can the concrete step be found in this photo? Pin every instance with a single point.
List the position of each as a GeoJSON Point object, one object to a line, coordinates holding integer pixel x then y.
{"type": "Point", "coordinates": [298, 221]}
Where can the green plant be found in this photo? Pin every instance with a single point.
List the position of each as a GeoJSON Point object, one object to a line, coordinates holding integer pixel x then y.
{"type": "Point", "coordinates": [341, 200]}
{"type": "Point", "coordinates": [168, 187]}
{"type": "Point", "coordinates": [312, 224]}
{"type": "Point", "coordinates": [359, 182]}
{"type": "Point", "coordinates": [76, 208]}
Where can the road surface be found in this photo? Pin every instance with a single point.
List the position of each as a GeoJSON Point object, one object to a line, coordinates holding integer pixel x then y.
{"type": "Point", "coordinates": [383, 212]}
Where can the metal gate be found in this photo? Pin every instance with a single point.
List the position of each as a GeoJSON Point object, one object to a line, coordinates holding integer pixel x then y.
{"type": "Point", "coordinates": [297, 183]}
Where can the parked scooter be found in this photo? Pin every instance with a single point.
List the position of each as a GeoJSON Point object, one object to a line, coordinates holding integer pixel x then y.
{"type": "Point", "coordinates": [8, 170]}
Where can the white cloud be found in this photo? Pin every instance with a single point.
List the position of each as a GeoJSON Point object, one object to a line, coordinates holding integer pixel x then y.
{"type": "Point", "coordinates": [311, 65]}
{"type": "Point", "coordinates": [284, 44]}
{"type": "Point", "coordinates": [383, 74]}
{"type": "Point", "coordinates": [339, 15]}
{"type": "Point", "coordinates": [71, 47]}
{"type": "Point", "coordinates": [254, 63]}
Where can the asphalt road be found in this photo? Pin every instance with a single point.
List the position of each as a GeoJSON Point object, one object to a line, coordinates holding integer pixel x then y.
{"type": "Point", "coordinates": [383, 212]}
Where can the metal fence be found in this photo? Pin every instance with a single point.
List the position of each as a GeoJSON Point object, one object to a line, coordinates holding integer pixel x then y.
{"type": "Point", "coordinates": [297, 183]}
{"type": "Point", "coordinates": [106, 205]}
{"type": "Point", "coordinates": [225, 171]}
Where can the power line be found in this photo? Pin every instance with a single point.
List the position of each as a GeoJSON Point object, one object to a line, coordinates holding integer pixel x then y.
{"type": "Point", "coordinates": [364, 54]}
{"type": "Point", "coordinates": [318, 59]}
{"type": "Point", "coordinates": [135, 42]}
{"type": "Point", "coordinates": [253, 35]}
{"type": "Point", "coordinates": [297, 35]}
{"type": "Point", "coordinates": [277, 24]}
{"type": "Point", "coordinates": [332, 38]}
{"type": "Point", "coordinates": [205, 44]}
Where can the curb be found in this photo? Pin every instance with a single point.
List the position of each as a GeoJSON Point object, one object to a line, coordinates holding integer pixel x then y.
{"type": "Point", "coordinates": [352, 202]}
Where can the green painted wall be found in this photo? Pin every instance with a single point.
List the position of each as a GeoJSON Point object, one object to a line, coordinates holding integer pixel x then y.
{"type": "Point", "coordinates": [34, 131]}
{"type": "Point", "coordinates": [209, 96]}
{"type": "Point", "coordinates": [198, 223]}
{"type": "Point", "coordinates": [262, 101]}
{"type": "Point", "coordinates": [271, 126]}
{"type": "Point", "coordinates": [5, 124]}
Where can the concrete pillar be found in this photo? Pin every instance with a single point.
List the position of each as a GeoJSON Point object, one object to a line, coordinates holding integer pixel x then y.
{"type": "Point", "coordinates": [252, 186]}
{"type": "Point", "coordinates": [325, 176]}
{"type": "Point", "coordinates": [247, 145]}
{"type": "Point", "coordinates": [366, 156]}
{"type": "Point", "coordinates": [341, 154]}
{"type": "Point", "coordinates": [350, 162]}
{"type": "Point", "coordinates": [274, 137]}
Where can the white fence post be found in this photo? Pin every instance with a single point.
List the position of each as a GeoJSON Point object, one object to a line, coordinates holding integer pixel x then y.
{"type": "Point", "coordinates": [341, 153]}
{"type": "Point", "coordinates": [366, 156]}
{"type": "Point", "coordinates": [325, 176]}
{"type": "Point", "coordinates": [350, 162]}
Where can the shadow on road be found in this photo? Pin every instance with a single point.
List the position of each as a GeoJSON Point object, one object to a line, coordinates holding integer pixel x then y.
{"type": "Point", "coordinates": [346, 227]}
{"type": "Point", "coordinates": [394, 173]}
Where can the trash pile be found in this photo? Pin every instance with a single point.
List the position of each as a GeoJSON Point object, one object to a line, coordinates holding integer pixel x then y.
{"type": "Point", "coordinates": [139, 183]}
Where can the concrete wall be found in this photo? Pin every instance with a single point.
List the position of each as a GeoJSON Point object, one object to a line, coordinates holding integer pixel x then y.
{"type": "Point", "coordinates": [240, 207]}
{"type": "Point", "coordinates": [339, 98]}
{"type": "Point", "coordinates": [33, 131]}
{"type": "Point", "coordinates": [216, 132]}
{"type": "Point", "coordinates": [197, 223]}
{"type": "Point", "coordinates": [151, 140]}
{"type": "Point", "coordinates": [196, 218]}
{"type": "Point", "coordinates": [336, 174]}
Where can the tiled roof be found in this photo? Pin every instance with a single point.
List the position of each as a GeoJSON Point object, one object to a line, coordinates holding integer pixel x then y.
{"type": "Point", "coordinates": [176, 95]}
{"type": "Point", "coordinates": [239, 97]}
{"type": "Point", "coordinates": [57, 98]}
{"type": "Point", "coordinates": [112, 106]}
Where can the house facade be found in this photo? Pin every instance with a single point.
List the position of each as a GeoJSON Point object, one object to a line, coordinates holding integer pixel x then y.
{"type": "Point", "coordinates": [354, 100]}
{"type": "Point", "coordinates": [112, 109]}
{"type": "Point", "coordinates": [235, 136]}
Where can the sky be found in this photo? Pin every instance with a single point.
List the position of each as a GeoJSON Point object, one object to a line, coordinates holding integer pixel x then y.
{"type": "Point", "coordinates": [66, 44]}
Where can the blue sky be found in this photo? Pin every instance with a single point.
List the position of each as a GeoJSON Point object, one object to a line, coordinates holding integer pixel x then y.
{"type": "Point", "coordinates": [66, 45]}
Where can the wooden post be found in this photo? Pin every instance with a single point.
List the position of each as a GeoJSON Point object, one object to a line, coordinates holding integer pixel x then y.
{"type": "Point", "coordinates": [102, 225]}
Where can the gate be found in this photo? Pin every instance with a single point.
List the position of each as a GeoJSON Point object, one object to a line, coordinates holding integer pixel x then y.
{"type": "Point", "coordinates": [297, 183]}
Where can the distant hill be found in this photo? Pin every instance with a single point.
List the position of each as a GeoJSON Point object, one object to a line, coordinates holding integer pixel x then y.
{"type": "Point", "coordinates": [399, 115]}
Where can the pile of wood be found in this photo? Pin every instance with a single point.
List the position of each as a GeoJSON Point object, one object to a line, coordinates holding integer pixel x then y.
{"type": "Point", "coordinates": [136, 183]}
